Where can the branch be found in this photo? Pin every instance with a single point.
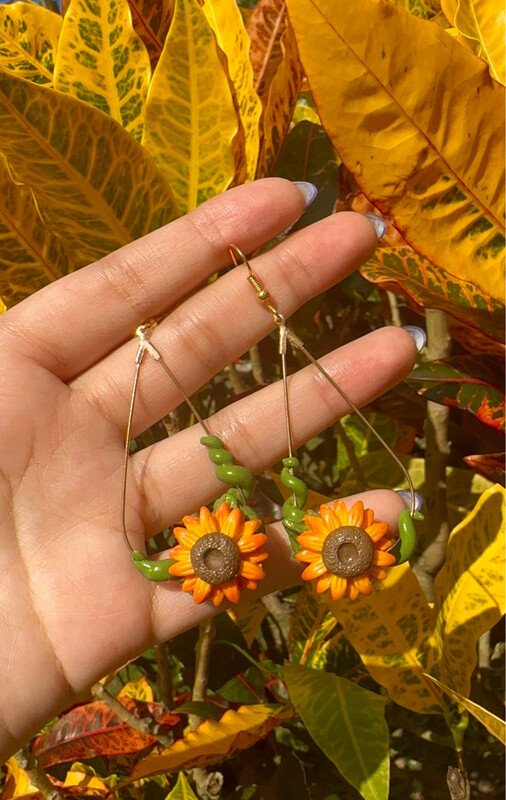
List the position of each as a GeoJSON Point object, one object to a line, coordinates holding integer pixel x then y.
{"type": "Point", "coordinates": [29, 764]}
{"type": "Point", "coordinates": [147, 726]}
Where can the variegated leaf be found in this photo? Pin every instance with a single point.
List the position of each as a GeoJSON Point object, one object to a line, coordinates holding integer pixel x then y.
{"type": "Point", "coordinates": [31, 254]}
{"type": "Point", "coordinates": [430, 286]}
{"type": "Point", "coordinates": [191, 121]}
{"type": "Point", "coordinates": [493, 724]}
{"type": "Point", "coordinates": [265, 28]}
{"type": "Point", "coordinates": [102, 61]}
{"type": "Point", "coordinates": [226, 22]}
{"type": "Point", "coordinates": [310, 625]}
{"type": "Point", "coordinates": [151, 20]}
{"type": "Point", "coordinates": [93, 183]}
{"type": "Point", "coordinates": [283, 93]}
{"type": "Point", "coordinates": [426, 145]}
{"type": "Point", "coordinates": [28, 41]}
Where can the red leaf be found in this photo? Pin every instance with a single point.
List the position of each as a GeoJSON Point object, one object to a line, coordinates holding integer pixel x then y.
{"type": "Point", "coordinates": [93, 730]}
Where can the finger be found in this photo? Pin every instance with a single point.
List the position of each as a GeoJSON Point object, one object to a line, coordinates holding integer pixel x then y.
{"type": "Point", "coordinates": [174, 611]}
{"type": "Point", "coordinates": [253, 428]}
{"type": "Point", "coordinates": [72, 323]}
{"type": "Point", "coordinates": [218, 324]}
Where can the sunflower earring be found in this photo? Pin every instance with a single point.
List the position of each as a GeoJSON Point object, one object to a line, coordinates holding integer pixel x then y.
{"type": "Point", "coordinates": [219, 553]}
{"type": "Point", "coordinates": [345, 550]}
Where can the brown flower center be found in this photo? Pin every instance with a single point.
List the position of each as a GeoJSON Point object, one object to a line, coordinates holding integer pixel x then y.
{"type": "Point", "coordinates": [215, 558]}
{"type": "Point", "coordinates": [348, 551]}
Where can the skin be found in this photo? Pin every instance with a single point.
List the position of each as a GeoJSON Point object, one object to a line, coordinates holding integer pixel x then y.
{"type": "Point", "coordinates": [72, 607]}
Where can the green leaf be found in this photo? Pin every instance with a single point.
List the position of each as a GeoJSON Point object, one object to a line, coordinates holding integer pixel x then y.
{"type": "Point", "coordinates": [182, 790]}
{"type": "Point", "coordinates": [348, 723]}
{"type": "Point", "coordinates": [311, 624]}
{"type": "Point", "coordinates": [466, 382]}
{"type": "Point", "coordinates": [28, 41]}
{"type": "Point", "coordinates": [401, 268]}
{"type": "Point", "coordinates": [191, 121]}
{"type": "Point", "coordinates": [307, 155]}
{"type": "Point", "coordinates": [102, 61]}
{"type": "Point", "coordinates": [93, 183]}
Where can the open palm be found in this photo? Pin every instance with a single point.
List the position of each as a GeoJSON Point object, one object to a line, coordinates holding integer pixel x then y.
{"type": "Point", "coordinates": [72, 606]}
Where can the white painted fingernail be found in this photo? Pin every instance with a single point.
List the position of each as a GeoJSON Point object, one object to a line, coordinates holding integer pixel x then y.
{"type": "Point", "coordinates": [406, 496]}
{"type": "Point", "coordinates": [309, 191]}
{"type": "Point", "coordinates": [418, 335]}
{"type": "Point", "coordinates": [378, 224]}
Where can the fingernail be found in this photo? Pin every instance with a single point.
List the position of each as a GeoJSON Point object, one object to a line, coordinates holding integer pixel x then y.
{"type": "Point", "coordinates": [378, 224]}
{"type": "Point", "coordinates": [406, 496]}
{"type": "Point", "coordinates": [418, 335]}
{"type": "Point", "coordinates": [309, 191]}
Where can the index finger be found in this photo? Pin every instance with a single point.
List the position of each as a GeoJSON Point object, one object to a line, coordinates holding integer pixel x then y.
{"type": "Point", "coordinates": [71, 324]}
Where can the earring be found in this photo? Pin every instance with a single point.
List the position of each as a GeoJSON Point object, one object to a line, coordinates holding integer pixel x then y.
{"type": "Point", "coordinates": [345, 550]}
{"type": "Point", "coordinates": [219, 552]}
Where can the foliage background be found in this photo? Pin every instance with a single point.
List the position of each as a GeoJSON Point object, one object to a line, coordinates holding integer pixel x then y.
{"type": "Point", "coordinates": [116, 117]}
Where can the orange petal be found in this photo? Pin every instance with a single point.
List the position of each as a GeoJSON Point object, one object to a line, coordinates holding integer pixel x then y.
{"type": "Point", "coordinates": [208, 523]}
{"type": "Point", "coordinates": [356, 516]}
{"type": "Point", "coordinates": [331, 519]}
{"type": "Point", "coordinates": [249, 584]}
{"type": "Point", "coordinates": [232, 591]}
{"type": "Point", "coordinates": [185, 537]}
{"type": "Point", "coordinates": [217, 596]}
{"type": "Point", "coordinates": [314, 570]}
{"type": "Point", "coordinates": [341, 513]}
{"type": "Point", "coordinates": [376, 573]}
{"type": "Point", "coordinates": [323, 583]}
{"type": "Point", "coordinates": [201, 591]}
{"type": "Point", "coordinates": [257, 557]}
{"type": "Point", "coordinates": [251, 571]}
{"type": "Point", "coordinates": [179, 553]}
{"type": "Point", "coordinates": [363, 584]}
{"type": "Point", "coordinates": [311, 541]}
{"type": "Point", "coordinates": [377, 530]}
{"type": "Point", "coordinates": [190, 523]}
{"type": "Point", "coordinates": [368, 518]}
{"type": "Point", "coordinates": [351, 590]}
{"type": "Point", "coordinates": [221, 514]}
{"type": "Point", "coordinates": [382, 559]}
{"type": "Point", "coordinates": [232, 525]}
{"type": "Point", "coordinates": [315, 525]}
{"type": "Point", "coordinates": [307, 555]}
{"type": "Point", "coordinates": [337, 587]}
{"type": "Point", "coordinates": [249, 542]}
{"type": "Point", "coordinates": [188, 584]}
{"type": "Point", "coordinates": [252, 525]}
{"type": "Point", "coordinates": [182, 568]}
{"type": "Point", "coordinates": [383, 544]}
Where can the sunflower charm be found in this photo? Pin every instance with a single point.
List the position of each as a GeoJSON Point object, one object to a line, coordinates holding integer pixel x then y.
{"type": "Point", "coordinates": [345, 550]}
{"type": "Point", "coordinates": [218, 554]}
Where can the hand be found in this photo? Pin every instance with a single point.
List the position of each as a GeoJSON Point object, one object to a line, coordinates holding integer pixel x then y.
{"type": "Point", "coordinates": [72, 606]}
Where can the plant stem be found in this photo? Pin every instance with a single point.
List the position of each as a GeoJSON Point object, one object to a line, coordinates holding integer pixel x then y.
{"type": "Point", "coordinates": [28, 763]}
{"type": "Point", "coordinates": [458, 786]}
{"type": "Point", "coordinates": [164, 676]}
{"type": "Point", "coordinates": [203, 656]}
{"type": "Point", "coordinates": [256, 364]}
{"type": "Point", "coordinates": [235, 379]}
{"type": "Point", "coordinates": [393, 302]}
{"type": "Point", "coordinates": [352, 456]}
{"type": "Point", "coordinates": [437, 450]}
{"type": "Point", "coordinates": [147, 726]}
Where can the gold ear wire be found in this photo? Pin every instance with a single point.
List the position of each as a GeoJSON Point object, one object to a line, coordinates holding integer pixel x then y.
{"type": "Point", "coordinates": [285, 334]}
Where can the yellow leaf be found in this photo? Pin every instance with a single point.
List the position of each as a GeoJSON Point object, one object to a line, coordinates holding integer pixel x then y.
{"type": "Point", "coordinates": [82, 775]}
{"type": "Point", "coordinates": [191, 121]}
{"type": "Point", "coordinates": [151, 19]}
{"type": "Point", "coordinates": [139, 690]}
{"type": "Point", "coordinates": [28, 41]}
{"type": "Point", "coordinates": [102, 61]}
{"type": "Point", "coordinates": [93, 183]}
{"type": "Point", "coordinates": [31, 254]}
{"type": "Point", "coordinates": [469, 589]}
{"type": "Point", "coordinates": [283, 94]}
{"type": "Point", "coordinates": [248, 619]}
{"type": "Point", "coordinates": [480, 26]}
{"type": "Point", "coordinates": [225, 19]}
{"type": "Point", "coordinates": [418, 121]}
{"type": "Point", "coordinates": [493, 724]}
{"type": "Point", "coordinates": [310, 626]}
{"type": "Point", "coordinates": [3, 307]}
{"type": "Point", "coordinates": [214, 741]}
{"type": "Point", "coordinates": [392, 632]}
{"type": "Point", "coordinates": [17, 783]}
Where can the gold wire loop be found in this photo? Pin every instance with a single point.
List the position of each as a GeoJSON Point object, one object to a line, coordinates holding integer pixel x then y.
{"type": "Point", "coordinates": [261, 292]}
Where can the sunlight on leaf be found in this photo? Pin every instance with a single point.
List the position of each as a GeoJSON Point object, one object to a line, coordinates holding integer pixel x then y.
{"type": "Point", "coordinates": [348, 723]}
{"type": "Point", "coordinates": [469, 589]}
{"type": "Point", "coordinates": [310, 625]}
{"type": "Point", "coordinates": [182, 790]}
{"type": "Point", "coordinates": [401, 131]}
{"type": "Point", "coordinates": [191, 122]}
{"type": "Point", "coordinates": [28, 41]}
{"type": "Point", "coordinates": [102, 61]}
{"type": "Point", "coordinates": [138, 690]}
{"type": "Point", "coordinates": [249, 619]}
{"type": "Point", "coordinates": [493, 724]}
{"type": "Point", "coordinates": [480, 26]}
